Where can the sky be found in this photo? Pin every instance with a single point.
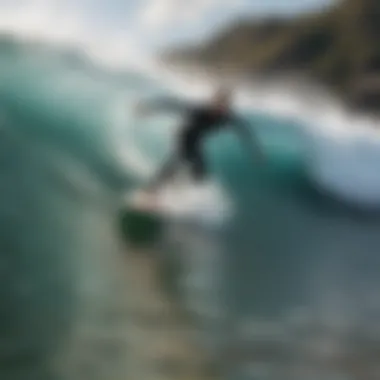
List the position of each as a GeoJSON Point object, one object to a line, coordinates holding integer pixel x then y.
{"type": "Point", "coordinates": [126, 30]}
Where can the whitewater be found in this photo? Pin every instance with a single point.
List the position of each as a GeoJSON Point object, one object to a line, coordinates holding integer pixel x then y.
{"type": "Point", "coordinates": [301, 249]}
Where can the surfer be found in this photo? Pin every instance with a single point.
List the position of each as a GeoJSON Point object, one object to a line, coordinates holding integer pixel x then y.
{"type": "Point", "coordinates": [200, 121]}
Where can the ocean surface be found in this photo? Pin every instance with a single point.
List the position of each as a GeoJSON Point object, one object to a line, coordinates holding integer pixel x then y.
{"type": "Point", "coordinates": [290, 282]}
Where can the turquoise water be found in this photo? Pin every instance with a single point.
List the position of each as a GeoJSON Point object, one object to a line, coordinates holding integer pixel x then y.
{"type": "Point", "coordinates": [290, 253]}
{"type": "Point", "coordinates": [59, 234]}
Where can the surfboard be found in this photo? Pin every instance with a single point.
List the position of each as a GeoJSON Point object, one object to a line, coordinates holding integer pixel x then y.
{"type": "Point", "coordinates": [207, 203]}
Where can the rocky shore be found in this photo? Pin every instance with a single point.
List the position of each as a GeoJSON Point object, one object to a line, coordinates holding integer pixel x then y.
{"type": "Point", "coordinates": [336, 47]}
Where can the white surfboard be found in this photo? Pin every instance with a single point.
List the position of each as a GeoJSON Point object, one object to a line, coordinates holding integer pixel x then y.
{"type": "Point", "coordinates": [207, 203]}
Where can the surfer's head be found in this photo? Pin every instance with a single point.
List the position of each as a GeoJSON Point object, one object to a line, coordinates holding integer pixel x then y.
{"type": "Point", "coordinates": [222, 98]}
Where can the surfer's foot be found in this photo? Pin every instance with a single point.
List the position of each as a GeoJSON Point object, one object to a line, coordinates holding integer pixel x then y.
{"type": "Point", "coordinates": [146, 200]}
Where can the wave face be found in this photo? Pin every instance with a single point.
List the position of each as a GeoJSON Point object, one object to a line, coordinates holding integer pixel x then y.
{"type": "Point", "coordinates": [60, 249]}
{"type": "Point", "coordinates": [70, 149]}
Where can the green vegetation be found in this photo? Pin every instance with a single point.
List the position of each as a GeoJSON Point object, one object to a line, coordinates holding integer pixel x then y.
{"type": "Point", "coordinates": [338, 47]}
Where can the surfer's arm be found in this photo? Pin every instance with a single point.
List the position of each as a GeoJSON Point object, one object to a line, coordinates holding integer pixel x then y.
{"type": "Point", "coordinates": [248, 137]}
{"type": "Point", "coordinates": [161, 105]}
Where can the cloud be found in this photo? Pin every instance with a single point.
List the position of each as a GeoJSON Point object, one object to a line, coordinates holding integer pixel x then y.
{"type": "Point", "coordinates": [43, 19]}
{"type": "Point", "coordinates": [162, 14]}
{"type": "Point", "coordinates": [121, 31]}
{"type": "Point", "coordinates": [159, 15]}
{"type": "Point", "coordinates": [65, 22]}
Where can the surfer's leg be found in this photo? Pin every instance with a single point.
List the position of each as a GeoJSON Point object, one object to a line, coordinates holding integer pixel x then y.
{"type": "Point", "coordinates": [198, 166]}
{"type": "Point", "coordinates": [192, 154]}
{"type": "Point", "coordinates": [199, 169]}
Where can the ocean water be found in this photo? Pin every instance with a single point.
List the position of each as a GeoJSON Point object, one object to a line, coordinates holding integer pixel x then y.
{"type": "Point", "coordinates": [290, 283]}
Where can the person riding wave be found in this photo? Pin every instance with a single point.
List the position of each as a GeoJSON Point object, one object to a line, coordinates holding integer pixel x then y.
{"type": "Point", "coordinates": [200, 121]}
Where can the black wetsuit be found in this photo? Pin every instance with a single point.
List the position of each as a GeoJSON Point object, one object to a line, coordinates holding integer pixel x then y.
{"type": "Point", "coordinates": [200, 122]}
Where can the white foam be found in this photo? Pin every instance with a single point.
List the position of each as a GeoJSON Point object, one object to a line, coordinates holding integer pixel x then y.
{"type": "Point", "coordinates": [342, 147]}
{"type": "Point", "coordinates": [206, 203]}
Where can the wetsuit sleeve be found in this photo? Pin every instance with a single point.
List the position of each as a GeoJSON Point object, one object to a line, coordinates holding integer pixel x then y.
{"type": "Point", "coordinates": [247, 135]}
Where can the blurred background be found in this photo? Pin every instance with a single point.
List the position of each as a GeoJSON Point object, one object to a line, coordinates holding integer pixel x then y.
{"type": "Point", "coordinates": [285, 287]}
